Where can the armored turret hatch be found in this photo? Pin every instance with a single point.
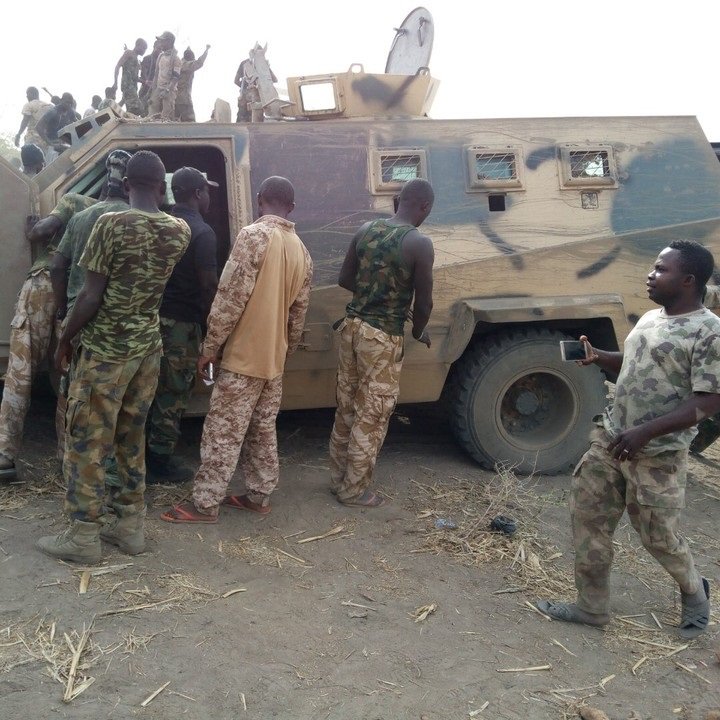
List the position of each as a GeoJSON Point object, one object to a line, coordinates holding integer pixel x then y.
{"type": "Point", "coordinates": [406, 89]}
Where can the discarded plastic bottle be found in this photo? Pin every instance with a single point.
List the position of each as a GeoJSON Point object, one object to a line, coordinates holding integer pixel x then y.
{"type": "Point", "coordinates": [445, 524]}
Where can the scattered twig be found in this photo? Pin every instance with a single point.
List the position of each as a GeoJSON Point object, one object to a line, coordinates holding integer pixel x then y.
{"type": "Point", "coordinates": [152, 696]}
{"type": "Point", "coordinates": [525, 669]}
{"type": "Point", "coordinates": [335, 531]}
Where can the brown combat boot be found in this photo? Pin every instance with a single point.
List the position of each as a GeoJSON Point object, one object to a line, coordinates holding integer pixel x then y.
{"type": "Point", "coordinates": [126, 530]}
{"type": "Point", "coordinates": [79, 543]}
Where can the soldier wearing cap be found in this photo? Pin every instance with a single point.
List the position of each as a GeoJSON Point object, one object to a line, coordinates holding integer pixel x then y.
{"type": "Point", "coordinates": [165, 78]}
{"type": "Point", "coordinates": [183, 314]}
{"type": "Point", "coordinates": [128, 260]}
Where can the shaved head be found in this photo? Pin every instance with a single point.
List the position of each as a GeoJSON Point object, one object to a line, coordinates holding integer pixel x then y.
{"type": "Point", "coordinates": [277, 190]}
{"type": "Point", "coordinates": [416, 192]}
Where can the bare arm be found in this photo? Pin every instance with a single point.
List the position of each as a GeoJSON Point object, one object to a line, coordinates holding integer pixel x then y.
{"type": "Point", "coordinates": [348, 271]}
{"type": "Point", "coordinates": [690, 412]}
{"type": "Point", "coordinates": [44, 229]}
{"type": "Point", "coordinates": [201, 60]}
{"type": "Point", "coordinates": [423, 253]}
{"type": "Point", "coordinates": [120, 63]}
{"type": "Point", "coordinates": [59, 266]}
{"type": "Point", "coordinates": [208, 281]}
{"type": "Point", "coordinates": [23, 125]}
{"type": "Point", "coordinates": [239, 76]}
{"type": "Point", "coordinates": [86, 306]}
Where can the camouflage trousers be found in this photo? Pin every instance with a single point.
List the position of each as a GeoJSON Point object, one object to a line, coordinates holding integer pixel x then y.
{"type": "Point", "coordinates": [108, 403]}
{"type": "Point", "coordinates": [30, 333]}
{"type": "Point", "coordinates": [652, 490]}
{"type": "Point", "coordinates": [184, 111]}
{"type": "Point", "coordinates": [162, 105]}
{"type": "Point", "coordinates": [239, 426]}
{"type": "Point", "coordinates": [181, 347]}
{"type": "Point", "coordinates": [132, 102]}
{"type": "Point", "coordinates": [368, 384]}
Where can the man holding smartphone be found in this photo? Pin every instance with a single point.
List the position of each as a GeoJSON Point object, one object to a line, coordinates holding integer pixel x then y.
{"type": "Point", "coordinates": [668, 380]}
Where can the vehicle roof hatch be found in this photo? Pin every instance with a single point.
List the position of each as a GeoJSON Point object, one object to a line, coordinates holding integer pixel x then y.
{"type": "Point", "coordinates": [412, 46]}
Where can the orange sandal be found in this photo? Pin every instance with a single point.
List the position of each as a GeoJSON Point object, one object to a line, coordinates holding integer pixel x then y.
{"type": "Point", "coordinates": [187, 513]}
{"type": "Point", "coordinates": [243, 502]}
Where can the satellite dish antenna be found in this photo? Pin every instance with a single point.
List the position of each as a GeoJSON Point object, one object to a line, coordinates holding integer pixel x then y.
{"type": "Point", "coordinates": [412, 46]}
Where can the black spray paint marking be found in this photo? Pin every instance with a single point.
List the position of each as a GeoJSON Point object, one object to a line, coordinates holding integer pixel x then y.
{"type": "Point", "coordinates": [599, 265]}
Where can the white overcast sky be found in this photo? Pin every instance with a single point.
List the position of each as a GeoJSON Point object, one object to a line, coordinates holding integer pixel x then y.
{"type": "Point", "coordinates": [537, 58]}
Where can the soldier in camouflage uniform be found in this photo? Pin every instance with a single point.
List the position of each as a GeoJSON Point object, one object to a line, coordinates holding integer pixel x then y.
{"type": "Point", "coordinates": [264, 292]}
{"type": "Point", "coordinates": [668, 377]}
{"type": "Point", "coordinates": [388, 263]}
{"type": "Point", "coordinates": [68, 276]}
{"type": "Point", "coordinates": [184, 310]}
{"type": "Point", "coordinates": [130, 63]}
{"type": "Point", "coordinates": [165, 79]}
{"type": "Point", "coordinates": [128, 260]}
{"type": "Point", "coordinates": [31, 329]}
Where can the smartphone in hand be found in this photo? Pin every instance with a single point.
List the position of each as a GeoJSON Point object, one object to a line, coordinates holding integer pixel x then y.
{"type": "Point", "coordinates": [572, 350]}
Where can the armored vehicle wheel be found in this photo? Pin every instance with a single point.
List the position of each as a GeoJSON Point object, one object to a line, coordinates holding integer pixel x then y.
{"type": "Point", "coordinates": [513, 400]}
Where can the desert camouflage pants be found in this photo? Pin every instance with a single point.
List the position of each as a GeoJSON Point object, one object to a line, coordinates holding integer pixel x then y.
{"type": "Point", "coordinates": [181, 347]}
{"type": "Point", "coordinates": [652, 489]}
{"type": "Point", "coordinates": [368, 384]}
{"type": "Point", "coordinates": [163, 105]}
{"type": "Point", "coordinates": [30, 333]}
{"type": "Point", "coordinates": [239, 426]}
{"type": "Point", "coordinates": [108, 403]}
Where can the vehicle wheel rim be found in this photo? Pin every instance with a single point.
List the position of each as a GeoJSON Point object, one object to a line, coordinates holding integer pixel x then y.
{"type": "Point", "coordinates": [536, 409]}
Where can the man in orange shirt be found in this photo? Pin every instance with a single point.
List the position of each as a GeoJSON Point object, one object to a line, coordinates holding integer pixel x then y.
{"type": "Point", "coordinates": [258, 315]}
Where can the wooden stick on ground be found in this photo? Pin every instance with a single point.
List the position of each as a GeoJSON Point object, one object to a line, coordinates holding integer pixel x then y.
{"type": "Point", "coordinates": [69, 694]}
{"type": "Point", "coordinates": [335, 531]}
{"type": "Point", "coordinates": [152, 696]}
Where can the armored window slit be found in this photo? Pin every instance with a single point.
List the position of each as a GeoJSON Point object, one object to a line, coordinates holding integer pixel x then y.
{"type": "Point", "coordinates": [391, 169]}
{"type": "Point", "coordinates": [494, 169]}
{"type": "Point", "coordinates": [592, 166]}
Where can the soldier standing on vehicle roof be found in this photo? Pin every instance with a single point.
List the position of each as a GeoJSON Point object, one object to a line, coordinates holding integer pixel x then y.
{"type": "Point", "coordinates": [128, 260]}
{"type": "Point", "coordinates": [130, 64]}
{"type": "Point", "coordinates": [258, 315]}
{"type": "Point", "coordinates": [31, 329]}
{"type": "Point", "coordinates": [147, 72]}
{"type": "Point", "coordinates": [184, 111]}
{"type": "Point", "coordinates": [32, 111]}
{"type": "Point", "coordinates": [165, 79]}
{"type": "Point", "coordinates": [388, 262]}
{"type": "Point", "coordinates": [183, 313]}
{"type": "Point", "coordinates": [68, 276]}
{"type": "Point", "coordinates": [669, 376]}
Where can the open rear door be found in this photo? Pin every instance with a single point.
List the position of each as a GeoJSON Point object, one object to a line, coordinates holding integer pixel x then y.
{"type": "Point", "coordinates": [19, 195]}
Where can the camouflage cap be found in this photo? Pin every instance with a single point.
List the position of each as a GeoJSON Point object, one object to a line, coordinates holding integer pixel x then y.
{"type": "Point", "coordinates": [116, 165]}
{"type": "Point", "coordinates": [167, 35]}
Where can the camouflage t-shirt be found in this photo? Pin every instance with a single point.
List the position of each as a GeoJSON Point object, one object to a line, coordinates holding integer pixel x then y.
{"type": "Point", "coordinates": [384, 283]}
{"type": "Point", "coordinates": [666, 360]}
{"type": "Point", "coordinates": [75, 238]}
{"type": "Point", "coordinates": [68, 205]}
{"type": "Point", "coordinates": [137, 252]}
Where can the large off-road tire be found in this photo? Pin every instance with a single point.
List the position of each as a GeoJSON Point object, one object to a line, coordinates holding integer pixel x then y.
{"type": "Point", "coordinates": [513, 400]}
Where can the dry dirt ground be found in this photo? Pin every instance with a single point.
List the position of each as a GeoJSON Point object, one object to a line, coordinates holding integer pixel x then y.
{"type": "Point", "coordinates": [386, 617]}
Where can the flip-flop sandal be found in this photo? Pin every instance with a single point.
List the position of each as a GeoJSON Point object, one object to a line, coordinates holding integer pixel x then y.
{"type": "Point", "coordinates": [367, 499]}
{"type": "Point", "coordinates": [696, 618]}
{"type": "Point", "coordinates": [243, 502]}
{"type": "Point", "coordinates": [564, 612]}
{"type": "Point", "coordinates": [178, 514]}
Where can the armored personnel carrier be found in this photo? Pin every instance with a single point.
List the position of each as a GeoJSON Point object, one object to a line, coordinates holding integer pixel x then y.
{"type": "Point", "coordinates": [543, 229]}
